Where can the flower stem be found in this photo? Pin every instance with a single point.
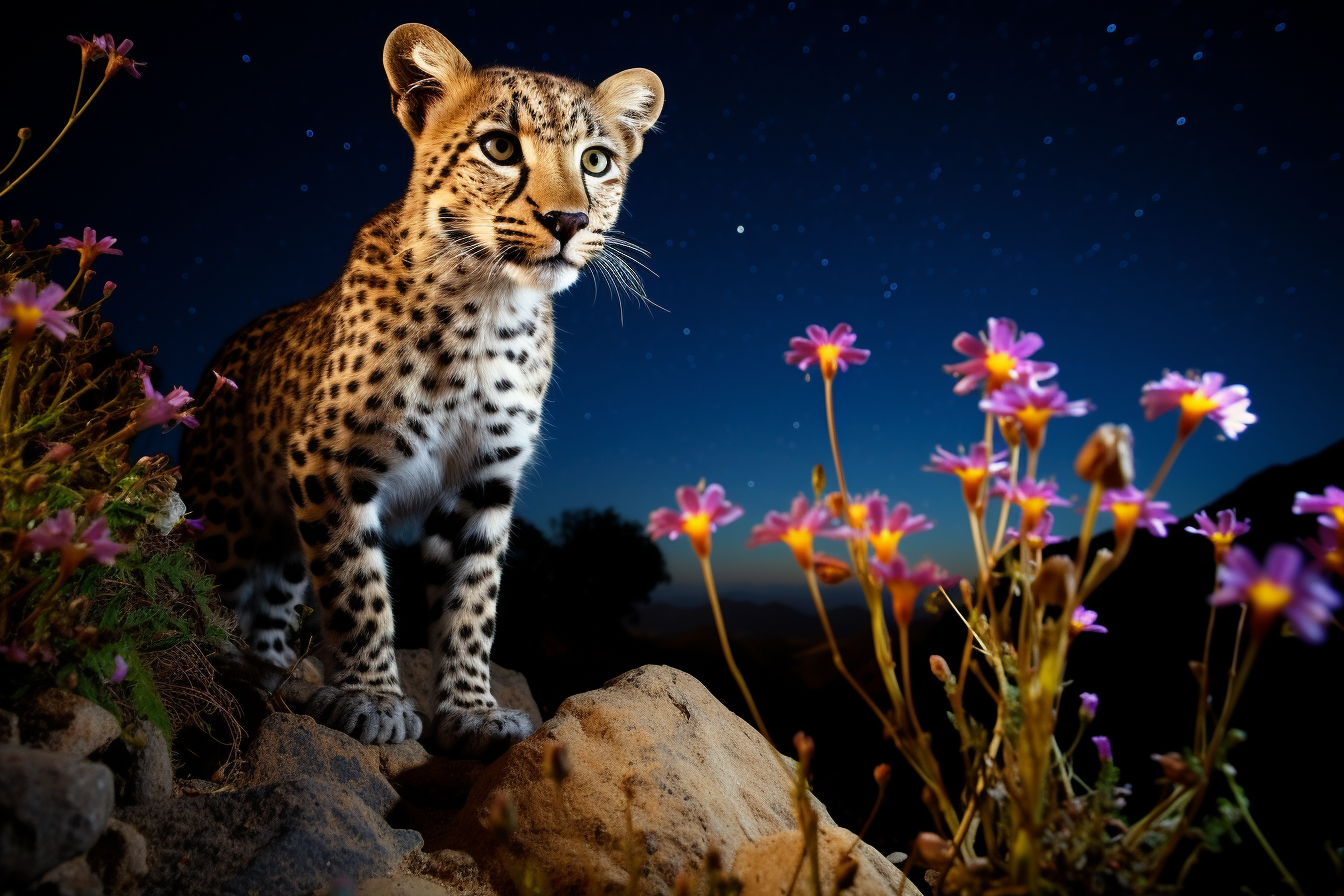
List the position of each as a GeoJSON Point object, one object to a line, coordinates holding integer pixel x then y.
{"type": "Point", "coordinates": [1089, 520]}
{"type": "Point", "coordinates": [904, 631]}
{"type": "Point", "coordinates": [1004, 505]}
{"type": "Point", "coordinates": [1162, 472]}
{"type": "Point", "coordinates": [835, 444]}
{"type": "Point", "coordinates": [7, 388]}
{"type": "Point", "coordinates": [1255, 829]}
{"type": "Point", "coordinates": [1202, 709]}
{"type": "Point", "coordinates": [69, 124]}
{"type": "Point", "coordinates": [15, 157]}
{"type": "Point", "coordinates": [728, 651]}
{"type": "Point", "coordinates": [838, 660]}
{"type": "Point", "coordinates": [79, 87]}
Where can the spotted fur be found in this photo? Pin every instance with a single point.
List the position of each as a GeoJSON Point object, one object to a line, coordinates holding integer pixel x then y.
{"type": "Point", "coordinates": [408, 396]}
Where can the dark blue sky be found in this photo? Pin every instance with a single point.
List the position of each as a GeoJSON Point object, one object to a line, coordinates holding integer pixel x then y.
{"type": "Point", "coordinates": [908, 168]}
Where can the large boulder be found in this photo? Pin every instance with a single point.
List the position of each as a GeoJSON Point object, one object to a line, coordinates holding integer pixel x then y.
{"type": "Point", "coordinates": [765, 867]}
{"type": "Point", "coordinates": [62, 722]}
{"type": "Point", "coordinates": [281, 839]}
{"type": "Point", "coordinates": [52, 808]}
{"type": "Point", "coordinates": [693, 777]}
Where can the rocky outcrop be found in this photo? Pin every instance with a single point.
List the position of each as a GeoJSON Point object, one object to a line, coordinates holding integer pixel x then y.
{"type": "Point", "coordinates": [62, 722]}
{"type": "Point", "coordinates": [766, 866]}
{"type": "Point", "coordinates": [52, 808]}
{"type": "Point", "coordinates": [657, 766]}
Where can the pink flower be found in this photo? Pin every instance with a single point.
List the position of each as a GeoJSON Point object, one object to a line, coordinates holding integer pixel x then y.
{"type": "Point", "coordinates": [1032, 406]}
{"type": "Point", "coordinates": [829, 350]}
{"type": "Point", "coordinates": [27, 309]}
{"type": "Point", "coordinates": [1197, 399]}
{"type": "Point", "coordinates": [905, 583]}
{"type": "Point", "coordinates": [1039, 535]}
{"type": "Point", "coordinates": [797, 529]}
{"type": "Point", "coordinates": [15, 653]}
{"type": "Point", "coordinates": [1084, 620]}
{"type": "Point", "coordinates": [58, 533]}
{"type": "Point", "coordinates": [88, 51]}
{"type": "Point", "coordinates": [222, 382]}
{"type": "Point", "coordinates": [885, 530]}
{"type": "Point", "coordinates": [1103, 745]}
{"type": "Point", "coordinates": [1034, 498]}
{"type": "Point", "coordinates": [971, 469]}
{"type": "Point", "coordinates": [1328, 550]}
{"type": "Point", "coordinates": [119, 669]}
{"type": "Point", "coordinates": [116, 55]}
{"type": "Point", "coordinates": [701, 515]}
{"type": "Point", "coordinates": [1330, 505]}
{"type": "Point", "coordinates": [998, 358]}
{"type": "Point", "coordinates": [165, 409]}
{"type": "Point", "coordinates": [1283, 585]}
{"type": "Point", "coordinates": [1221, 533]}
{"type": "Point", "coordinates": [90, 247]}
{"type": "Point", "coordinates": [1131, 508]}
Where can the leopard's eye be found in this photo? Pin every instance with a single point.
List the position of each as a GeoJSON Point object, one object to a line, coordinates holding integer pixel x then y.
{"type": "Point", "coordinates": [596, 161]}
{"type": "Point", "coordinates": [501, 148]}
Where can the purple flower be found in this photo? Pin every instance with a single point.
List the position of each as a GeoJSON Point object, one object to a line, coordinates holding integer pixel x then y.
{"type": "Point", "coordinates": [15, 653]}
{"type": "Point", "coordinates": [1087, 705]}
{"type": "Point", "coordinates": [1103, 745]}
{"type": "Point", "coordinates": [1084, 620]}
{"type": "Point", "coordinates": [797, 529]}
{"type": "Point", "coordinates": [885, 530]}
{"type": "Point", "coordinates": [27, 309]}
{"type": "Point", "coordinates": [90, 247]}
{"type": "Point", "coordinates": [1221, 533]}
{"type": "Point", "coordinates": [1039, 535]}
{"type": "Point", "coordinates": [222, 382]}
{"type": "Point", "coordinates": [89, 50]}
{"type": "Point", "coordinates": [1032, 405]}
{"type": "Point", "coordinates": [58, 533]}
{"type": "Point", "coordinates": [828, 350]}
{"type": "Point", "coordinates": [1330, 505]}
{"type": "Point", "coordinates": [1197, 399]}
{"type": "Point", "coordinates": [998, 358]}
{"type": "Point", "coordinates": [164, 409]}
{"type": "Point", "coordinates": [1131, 508]}
{"type": "Point", "coordinates": [119, 669]}
{"type": "Point", "coordinates": [905, 583]}
{"type": "Point", "coordinates": [971, 469]}
{"type": "Point", "coordinates": [701, 515]}
{"type": "Point", "coordinates": [1034, 498]}
{"type": "Point", "coordinates": [1328, 550]}
{"type": "Point", "coordinates": [116, 55]}
{"type": "Point", "coordinates": [1283, 585]}
{"type": "Point", "coordinates": [196, 526]}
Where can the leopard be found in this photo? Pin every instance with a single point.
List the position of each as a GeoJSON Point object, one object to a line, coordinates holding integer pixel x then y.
{"type": "Point", "coordinates": [404, 403]}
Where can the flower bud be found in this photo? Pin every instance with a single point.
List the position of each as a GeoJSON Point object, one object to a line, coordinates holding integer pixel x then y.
{"type": "Point", "coordinates": [1051, 585]}
{"type": "Point", "coordinates": [819, 480]}
{"type": "Point", "coordinates": [34, 482]}
{"type": "Point", "coordinates": [932, 851]}
{"type": "Point", "coordinates": [1176, 769]}
{"type": "Point", "coordinates": [845, 870]}
{"type": "Point", "coordinates": [25, 134]}
{"type": "Point", "coordinates": [108, 287]}
{"type": "Point", "coordinates": [804, 746]}
{"type": "Point", "coordinates": [1107, 457]}
{"type": "Point", "coordinates": [941, 670]}
{"type": "Point", "coordinates": [94, 505]}
{"type": "Point", "coordinates": [830, 570]}
{"type": "Point", "coordinates": [503, 817]}
{"type": "Point", "coordinates": [555, 762]}
{"type": "Point", "coordinates": [105, 330]}
{"type": "Point", "coordinates": [58, 452]}
{"type": "Point", "coordinates": [1087, 706]}
{"type": "Point", "coordinates": [1011, 431]}
{"type": "Point", "coordinates": [84, 371]}
{"type": "Point", "coordinates": [882, 774]}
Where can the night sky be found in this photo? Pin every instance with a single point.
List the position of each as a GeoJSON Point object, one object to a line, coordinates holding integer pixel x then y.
{"type": "Point", "coordinates": [1146, 189]}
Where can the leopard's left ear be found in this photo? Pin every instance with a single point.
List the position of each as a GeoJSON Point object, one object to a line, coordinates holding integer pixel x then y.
{"type": "Point", "coordinates": [424, 68]}
{"type": "Point", "coordinates": [634, 98]}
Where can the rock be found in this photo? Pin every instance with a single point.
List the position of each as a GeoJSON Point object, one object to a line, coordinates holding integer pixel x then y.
{"type": "Point", "coordinates": [897, 858]}
{"type": "Point", "coordinates": [72, 878]}
{"type": "Point", "coordinates": [289, 747]}
{"type": "Point", "coordinates": [309, 669]}
{"type": "Point", "coordinates": [119, 857]}
{"type": "Point", "coordinates": [279, 839]}
{"type": "Point", "coordinates": [52, 808]}
{"type": "Point", "coordinates": [63, 722]}
{"type": "Point", "coordinates": [765, 866]}
{"type": "Point", "coordinates": [389, 886]}
{"type": "Point", "coordinates": [143, 763]}
{"type": "Point", "coordinates": [416, 667]}
{"type": "Point", "coordinates": [9, 727]}
{"type": "Point", "coordinates": [694, 776]}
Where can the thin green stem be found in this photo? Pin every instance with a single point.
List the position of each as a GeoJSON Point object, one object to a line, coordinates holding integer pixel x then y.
{"type": "Point", "coordinates": [1005, 504]}
{"type": "Point", "coordinates": [835, 444]}
{"type": "Point", "coordinates": [1162, 472]}
{"type": "Point", "coordinates": [79, 87]}
{"type": "Point", "coordinates": [22, 140]}
{"type": "Point", "coordinates": [1201, 711]}
{"type": "Point", "coordinates": [7, 388]}
{"type": "Point", "coordinates": [728, 651]}
{"type": "Point", "coordinates": [904, 631]}
{"type": "Point", "coordinates": [65, 130]}
{"type": "Point", "coordinates": [1089, 521]}
{"type": "Point", "coordinates": [837, 659]}
{"type": "Point", "coordinates": [1255, 829]}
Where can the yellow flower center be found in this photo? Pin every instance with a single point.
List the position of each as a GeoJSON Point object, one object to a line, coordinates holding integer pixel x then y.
{"type": "Point", "coordinates": [1194, 405]}
{"type": "Point", "coordinates": [1032, 508]}
{"type": "Point", "coordinates": [971, 478]}
{"type": "Point", "coordinates": [1033, 422]}
{"type": "Point", "coordinates": [26, 318]}
{"type": "Point", "coordinates": [1125, 515]}
{"type": "Point", "coordinates": [1268, 596]}
{"type": "Point", "coordinates": [1334, 561]}
{"type": "Point", "coordinates": [800, 541]}
{"type": "Point", "coordinates": [858, 516]}
{"type": "Point", "coordinates": [1339, 517]}
{"type": "Point", "coordinates": [696, 527]}
{"type": "Point", "coordinates": [1222, 539]}
{"type": "Point", "coordinates": [829, 356]}
{"type": "Point", "coordinates": [1000, 366]}
{"type": "Point", "coordinates": [903, 594]}
{"type": "Point", "coordinates": [884, 544]}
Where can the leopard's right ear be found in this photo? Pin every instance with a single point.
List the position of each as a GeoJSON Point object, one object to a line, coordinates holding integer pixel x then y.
{"type": "Point", "coordinates": [423, 67]}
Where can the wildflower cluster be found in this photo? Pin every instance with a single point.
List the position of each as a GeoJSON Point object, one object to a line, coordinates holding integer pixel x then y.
{"type": "Point", "coordinates": [1023, 819]}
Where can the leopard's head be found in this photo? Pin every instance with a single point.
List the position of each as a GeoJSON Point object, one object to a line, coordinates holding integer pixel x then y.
{"type": "Point", "coordinates": [517, 174]}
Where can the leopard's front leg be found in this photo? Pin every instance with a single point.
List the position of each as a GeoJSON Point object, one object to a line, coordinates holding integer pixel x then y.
{"type": "Point", "coordinates": [342, 541]}
{"type": "Point", "coordinates": [464, 541]}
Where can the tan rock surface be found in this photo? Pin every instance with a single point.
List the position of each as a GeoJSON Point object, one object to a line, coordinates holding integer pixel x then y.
{"type": "Point", "coordinates": [62, 722]}
{"type": "Point", "coordinates": [694, 775]}
{"type": "Point", "coordinates": [766, 866]}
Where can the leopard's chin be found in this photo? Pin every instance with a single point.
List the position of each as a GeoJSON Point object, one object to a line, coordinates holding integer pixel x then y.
{"type": "Point", "coordinates": [550, 275]}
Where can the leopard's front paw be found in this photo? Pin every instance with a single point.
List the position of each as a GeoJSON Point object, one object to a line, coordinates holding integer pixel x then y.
{"type": "Point", "coordinates": [369, 717]}
{"type": "Point", "coordinates": [480, 732]}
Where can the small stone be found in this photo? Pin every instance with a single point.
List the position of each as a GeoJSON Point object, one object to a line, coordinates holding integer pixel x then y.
{"type": "Point", "coordinates": [897, 858]}
{"type": "Point", "coordinates": [63, 722]}
{"type": "Point", "coordinates": [9, 727]}
{"type": "Point", "coordinates": [52, 808]}
{"type": "Point", "coordinates": [72, 878]}
{"type": "Point", "coordinates": [119, 857]}
{"type": "Point", "coordinates": [145, 765]}
{"type": "Point", "coordinates": [289, 747]}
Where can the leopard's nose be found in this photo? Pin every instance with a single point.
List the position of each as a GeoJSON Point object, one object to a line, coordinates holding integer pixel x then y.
{"type": "Point", "coordinates": [563, 225]}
